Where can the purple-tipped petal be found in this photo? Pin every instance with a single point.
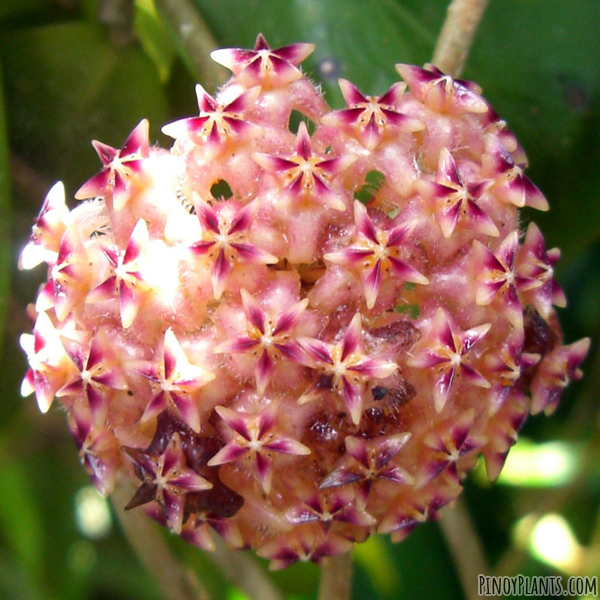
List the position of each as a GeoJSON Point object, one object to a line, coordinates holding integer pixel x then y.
{"type": "Point", "coordinates": [372, 283]}
{"type": "Point", "coordinates": [98, 185]}
{"type": "Point", "coordinates": [229, 453]}
{"type": "Point", "coordinates": [442, 387]}
{"type": "Point", "coordinates": [263, 371]}
{"type": "Point", "coordinates": [137, 142]}
{"type": "Point", "coordinates": [341, 476]}
{"type": "Point", "coordinates": [405, 272]}
{"type": "Point", "coordinates": [447, 170]}
{"type": "Point", "coordinates": [241, 343]}
{"type": "Point", "coordinates": [352, 338]}
{"type": "Point", "coordinates": [235, 421]}
{"type": "Point", "coordinates": [220, 272]}
{"type": "Point", "coordinates": [316, 350]}
{"type": "Point", "coordinates": [254, 254]}
{"type": "Point", "coordinates": [287, 445]}
{"type": "Point", "coordinates": [364, 224]}
{"type": "Point", "coordinates": [255, 315]}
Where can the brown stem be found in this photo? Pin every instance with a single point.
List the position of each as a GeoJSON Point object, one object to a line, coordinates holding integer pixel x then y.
{"type": "Point", "coordinates": [195, 41]}
{"type": "Point", "coordinates": [245, 573]}
{"type": "Point", "coordinates": [465, 547]}
{"type": "Point", "coordinates": [455, 39]}
{"type": "Point", "coordinates": [336, 577]}
{"type": "Point", "coordinates": [176, 580]}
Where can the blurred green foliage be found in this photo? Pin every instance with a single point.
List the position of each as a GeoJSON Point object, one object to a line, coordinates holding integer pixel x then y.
{"type": "Point", "coordinates": [76, 70]}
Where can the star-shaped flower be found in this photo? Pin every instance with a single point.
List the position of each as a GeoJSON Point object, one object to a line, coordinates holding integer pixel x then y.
{"type": "Point", "coordinates": [453, 201]}
{"type": "Point", "coordinates": [535, 273]}
{"type": "Point", "coordinates": [196, 531]}
{"type": "Point", "coordinates": [447, 443]}
{"type": "Point", "coordinates": [48, 229]}
{"type": "Point", "coordinates": [501, 431]}
{"type": "Point", "coordinates": [509, 183]}
{"type": "Point", "coordinates": [555, 372]}
{"type": "Point", "coordinates": [305, 544]}
{"type": "Point", "coordinates": [505, 367]}
{"type": "Point", "coordinates": [420, 506]}
{"type": "Point", "coordinates": [177, 380]}
{"type": "Point", "coordinates": [376, 254]}
{"type": "Point", "coordinates": [444, 351]}
{"type": "Point", "coordinates": [49, 365]}
{"type": "Point", "coordinates": [256, 435]}
{"type": "Point", "coordinates": [269, 337]}
{"type": "Point", "coordinates": [326, 507]}
{"type": "Point", "coordinates": [264, 65]}
{"type": "Point", "coordinates": [306, 176]}
{"type": "Point", "coordinates": [69, 277]}
{"type": "Point", "coordinates": [128, 279]}
{"type": "Point", "coordinates": [97, 376]}
{"type": "Point", "coordinates": [372, 118]}
{"type": "Point", "coordinates": [442, 93]}
{"type": "Point", "coordinates": [218, 125]}
{"type": "Point", "coordinates": [347, 365]}
{"type": "Point", "coordinates": [225, 243]}
{"type": "Point", "coordinates": [496, 277]}
{"type": "Point", "coordinates": [120, 168]}
{"type": "Point", "coordinates": [98, 448]}
{"type": "Point", "coordinates": [165, 478]}
{"type": "Point", "coordinates": [366, 461]}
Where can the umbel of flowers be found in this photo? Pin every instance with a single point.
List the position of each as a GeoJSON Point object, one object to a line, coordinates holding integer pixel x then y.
{"type": "Point", "coordinates": [295, 337]}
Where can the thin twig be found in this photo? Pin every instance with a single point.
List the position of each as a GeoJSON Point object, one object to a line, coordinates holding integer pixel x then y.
{"type": "Point", "coordinates": [465, 547]}
{"type": "Point", "coordinates": [176, 580]}
{"type": "Point", "coordinates": [243, 571]}
{"type": "Point", "coordinates": [195, 41]}
{"type": "Point", "coordinates": [455, 39]}
{"type": "Point", "coordinates": [336, 577]}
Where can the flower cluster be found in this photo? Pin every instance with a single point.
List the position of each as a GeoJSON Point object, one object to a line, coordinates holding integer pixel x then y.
{"type": "Point", "coordinates": [277, 349]}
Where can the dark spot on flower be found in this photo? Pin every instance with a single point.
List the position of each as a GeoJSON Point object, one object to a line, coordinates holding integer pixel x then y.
{"type": "Point", "coordinates": [540, 338]}
{"type": "Point", "coordinates": [400, 334]}
{"type": "Point", "coordinates": [401, 394]}
{"type": "Point", "coordinates": [325, 382]}
{"type": "Point", "coordinates": [379, 392]}
{"type": "Point", "coordinates": [218, 502]}
{"type": "Point", "coordinates": [323, 430]}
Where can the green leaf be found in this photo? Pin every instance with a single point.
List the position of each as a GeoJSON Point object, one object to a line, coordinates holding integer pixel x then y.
{"type": "Point", "coordinates": [355, 40]}
{"type": "Point", "coordinates": [373, 181]}
{"type": "Point", "coordinates": [16, 9]}
{"type": "Point", "coordinates": [17, 505]}
{"type": "Point", "coordinates": [538, 64]}
{"type": "Point", "coordinates": [66, 85]}
{"type": "Point", "coordinates": [154, 37]}
{"type": "Point", "coordinates": [5, 215]}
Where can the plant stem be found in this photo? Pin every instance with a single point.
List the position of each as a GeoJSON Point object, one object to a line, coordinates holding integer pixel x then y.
{"type": "Point", "coordinates": [245, 573]}
{"type": "Point", "coordinates": [176, 581]}
{"type": "Point", "coordinates": [194, 40]}
{"type": "Point", "coordinates": [336, 577]}
{"type": "Point", "coordinates": [455, 39]}
{"type": "Point", "coordinates": [465, 547]}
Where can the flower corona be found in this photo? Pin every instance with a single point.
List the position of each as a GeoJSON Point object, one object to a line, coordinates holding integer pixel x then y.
{"type": "Point", "coordinates": [294, 337]}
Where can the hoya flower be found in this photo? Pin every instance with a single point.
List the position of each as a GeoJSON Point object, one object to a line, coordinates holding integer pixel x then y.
{"type": "Point", "coordinates": [275, 350]}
